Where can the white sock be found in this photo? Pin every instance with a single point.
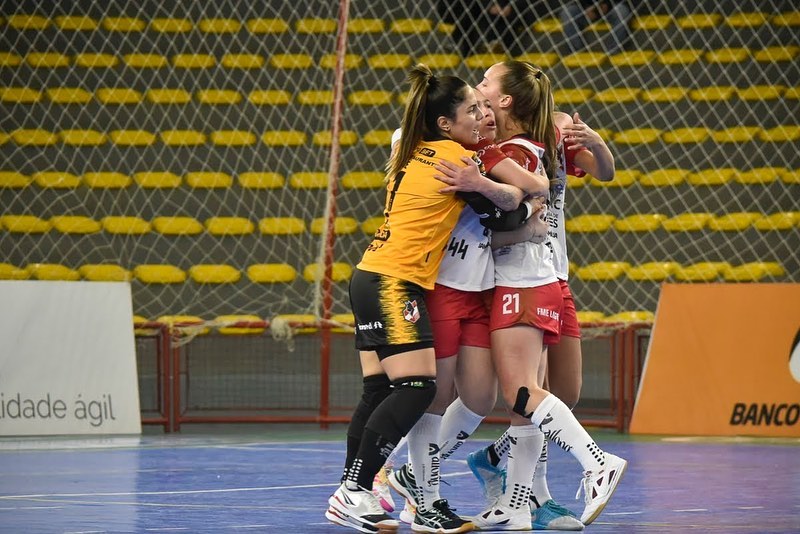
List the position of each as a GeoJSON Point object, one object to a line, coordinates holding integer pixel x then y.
{"type": "Point", "coordinates": [392, 459]}
{"type": "Point", "coordinates": [458, 423]}
{"type": "Point", "coordinates": [498, 451]}
{"type": "Point", "coordinates": [526, 445]}
{"type": "Point", "coordinates": [423, 450]}
{"type": "Point", "coordinates": [559, 425]}
{"type": "Point", "coordinates": [540, 493]}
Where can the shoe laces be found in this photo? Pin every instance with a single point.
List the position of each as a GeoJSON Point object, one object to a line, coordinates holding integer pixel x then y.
{"type": "Point", "coordinates": [443, 508]}
{"type": "Point", "coordinates": [557, 508]}
{"type": "Point", "coordinates": [585, 487]}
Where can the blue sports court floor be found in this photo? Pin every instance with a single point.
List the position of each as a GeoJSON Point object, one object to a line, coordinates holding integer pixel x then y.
{"type": "Point", "coordinates": [278, 479]}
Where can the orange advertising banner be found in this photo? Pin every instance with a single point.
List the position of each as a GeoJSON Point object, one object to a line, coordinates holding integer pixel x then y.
{"type": "Point", "coordinates": [723, 361]}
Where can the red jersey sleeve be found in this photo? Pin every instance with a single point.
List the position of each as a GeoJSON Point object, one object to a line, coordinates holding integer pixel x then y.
{"type": "Point", "coordinates": [524, 158]}
{"type": "Point", "coordinates": [569, 157]}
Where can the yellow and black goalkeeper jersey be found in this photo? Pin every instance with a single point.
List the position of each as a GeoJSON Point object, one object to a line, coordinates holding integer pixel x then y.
{"type": "Point", "coordinates": [417, 218]}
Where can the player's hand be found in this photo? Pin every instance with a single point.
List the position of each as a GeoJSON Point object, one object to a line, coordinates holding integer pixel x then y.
{"type": "Point", "coordinates": [459, 178]}
{"type": "Point", "coordinates": [538, 226]}
{"type": "Point", "coordinates": [580, 135]}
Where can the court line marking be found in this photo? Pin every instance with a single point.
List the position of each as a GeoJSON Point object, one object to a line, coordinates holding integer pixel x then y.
{"type": "Point", "coordinates": [624, 513]}
{"type": "Point", "coordinates": [692, 510]}
{"type": "Point", "coordinates": [750, 507]}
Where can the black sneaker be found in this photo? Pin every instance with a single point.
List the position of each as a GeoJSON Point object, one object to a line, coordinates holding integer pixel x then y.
{"type": "Point", "coordinates": [404, 483]}
{"type": "Point", "coordinates": [440, 519]}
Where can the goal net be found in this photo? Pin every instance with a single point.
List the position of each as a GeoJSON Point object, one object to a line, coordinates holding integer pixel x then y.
{"type": "Point", "coordinates": [189, 146]}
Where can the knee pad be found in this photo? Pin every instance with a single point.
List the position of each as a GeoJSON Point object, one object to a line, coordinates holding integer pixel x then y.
{"type": "Point", "coordinates": [376, 389]}
{"type": "Point", "coordinates": [401, 410]}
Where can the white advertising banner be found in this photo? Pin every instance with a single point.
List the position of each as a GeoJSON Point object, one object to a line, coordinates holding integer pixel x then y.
{"type": "Point", "coordinates": [67, 359]}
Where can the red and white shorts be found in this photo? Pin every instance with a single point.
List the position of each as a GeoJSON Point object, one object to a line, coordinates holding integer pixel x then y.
{"type": "Point", "coordinates": [458, 318]}
{"type": "Point", "coordinates": [539, 307]}
{"type": "Point", "coordinates": [570, 326]}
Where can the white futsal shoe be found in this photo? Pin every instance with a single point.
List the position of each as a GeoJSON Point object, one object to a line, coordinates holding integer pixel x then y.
{"type": "Point", "coordinates": [359, 509]}
{"type": "Point", "coordinates": [598, 487]}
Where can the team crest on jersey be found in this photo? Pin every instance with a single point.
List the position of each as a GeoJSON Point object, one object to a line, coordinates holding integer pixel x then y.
{"type": "Point", "coordinates": [411, 311]}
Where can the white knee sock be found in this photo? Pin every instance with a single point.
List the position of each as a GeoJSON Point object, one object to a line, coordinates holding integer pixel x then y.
{"type": "Point", "coordinates": [458, 423]}
{"type": "Point", "coordinates": [423, 450]}
{"type": "Point", "coordinates": [540, 493]}
{"type": "Point", "coordinates": [526, 445]}
{"type": "Point", "coordinates": [392, 460]}
{"type": "Point", "coordinates": [559, 425]}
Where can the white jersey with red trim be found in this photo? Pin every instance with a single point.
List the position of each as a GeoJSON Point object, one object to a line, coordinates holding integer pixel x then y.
{"type": "Point", "coordinates": [467, 264]}
{"type": "Point", "coordinates": [556, 218]}
{"type": "Point", "coordinates": [525, 264]}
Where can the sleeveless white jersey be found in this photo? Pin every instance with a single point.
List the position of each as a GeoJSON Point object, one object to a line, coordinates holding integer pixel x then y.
{"type": "Point", "coordinates": [556, 219]}
{"type": "Point", "coordinates": [525, 264]}
{"type": "Point", "coordinates": [467, 264]}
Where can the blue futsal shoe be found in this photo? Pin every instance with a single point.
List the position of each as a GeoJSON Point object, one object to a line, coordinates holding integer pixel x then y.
{"type": "Point", "coordinates": [553, 516]}
{"type": "Point", "coordinates": [491, 478]}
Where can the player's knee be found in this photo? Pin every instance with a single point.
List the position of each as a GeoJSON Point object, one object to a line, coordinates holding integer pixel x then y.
{"type": "Point", "coordinates": [401, 410]}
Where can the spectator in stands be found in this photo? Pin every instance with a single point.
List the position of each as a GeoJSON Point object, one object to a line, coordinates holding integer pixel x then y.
{"type": "Point", "coordinates": [577, 15]}
{"type": "Point", "coordinates": [489, 25]}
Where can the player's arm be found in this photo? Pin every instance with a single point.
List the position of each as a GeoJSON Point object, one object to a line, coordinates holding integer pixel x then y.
{"type": "Point", "coordinates": [597, 159]}
{"type": "Point", "coordinates": [534, 229]}
{"type": "Point", "coordinates": [494, 218]}
{"type": "Point", "coordinates": [469, 179]}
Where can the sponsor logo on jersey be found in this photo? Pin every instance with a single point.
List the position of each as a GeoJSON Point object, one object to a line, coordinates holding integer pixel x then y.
{"type": "Point", "coordinates": [373, 325]}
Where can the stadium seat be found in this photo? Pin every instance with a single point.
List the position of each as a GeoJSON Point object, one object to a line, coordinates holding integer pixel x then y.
{"type": "Point", "coordinates": [588, 223]}
{"type": "Point", "coordinates": [68, 95]}
{"type": "Point", "coordinates": [412, 26]}
{"type": "Point", "coordinates": [261, 180]}
{"type": "Point", "coordinates": [776, 54]}
{"type": "Point", "coordinates": [783, 220]}
{"type": "Point", "coordinates": [20, 95]}
{"type": "Point", "coordinates": [685, 135]}
{"type": "Point", "coordinates": [744, 19]}
{"type": "Point", "coordinates": [226, 325]}
{"type": "Point", "coordinates": [233, 138]}
{"type": "Point", "coordinates": [727, 55]}
{"type": "Point", "coordinates": [663, 178]}
{"type": "Point", "coordinates": [761, 92]}
{"type": "Point", "coordinates": [640, 222]}
{"type": "Point", "coordinates": [171, 25]}
{"type": "Point", "coordinates": [125, 225]}
{"type": "Point", "coordinates": [28, 22]}
{"type": "Point", "coordinates": [622, 178]}
{"type": "Point", "coordinates": [14, 180]}
{"type": "Point", "coordinates": [588, 316]}
{"type": "Point", "coordinates": [780, 134]}
{"type": "Point", "coordinates": [9, 59]}
{"type": "Point", "coordinates": [214, 274]}
{"type": "Point", "coordinates": [713, 93]}
{"type": "Point", "coordinates": [242, 61]}
{"type": "Point", "coordinates": [52, 271]}
{"type": "Point", "coordinates": [341, 225]}
{"type": "Point", "coordinates": [209, 180]}
{"type": "Point", "coordinates": [377, 138]}
{"type": "Point", "coordinates": [182, 138]}
{"type": "Point", "coordinates": [548, 25]}
{"type": "Point", "coordinates": [363, 25]}
{"type": "Point", "coordinates": [291, 61]}
{"type": "Point", "coordinates": [157, 180]}
{"type": "Point", "coordinates": [363, 180]}
{"type": "Point", "coordinates": [483, 61]}
{"type": "Point", "coordinates": [325, 138]}
{"type": "Point", "coordinates": [223, 226]}
{"type": "Point", "coordinates": [284, 138]}
{"type": "Point", "coordinates": [315, 98]}
{"type": "Point", "coordinates": [185, 325]}
{"type": "Point", "coordinates": [76, 23]}
{"type": "Point", "coordinates": [159, 274]}
{"type": "Point", "coordinates": [710, 176]}
{"type": "Point", "coordinates": [790, 177]}
{"type": "Point", "coordinates": [582, 60]}
{"type": "Point", "coordinates": [309, 180]}
{"type": "Point", "coordinates": [118, 96]}
{"type": "Point", "coordinates": [315, 25]}
{"type": "Point", "coordinates": [346, 320]}
{"type": "Point", "coordinates": [219, 25]}
{"type": "Point", "coordinates": [105, 273]}
{"type": "Point", "coordinates": [369, 98]}
{"type": "Point", "coordinates": [91, 60]}
{"type": "Point", "coordinates": [56, 180]}
{"type": "Point", "coordinates": [761, 175]}
{"type": "Point", "coordinates": [655, 271]}
{"type": "Point", "coordinates": [267, 25]}
{"type": "Point", "coordinates": [271, 273]}
{"type": "Point", "coordinates": [651, 22]}
{"type": "Point", "coordinates": [340, 272]}
{"type": "Point", "coordinates": [123, 24]}
{"type": "Point", "coordinates": [389, 61]}
{"type": "Point", "coordinates": [636, 136]}
{"type": "Point", "coordinates": [12, 272]}
{"type": "Point", "coordinates": [686, 222]}
{"type": "Point", "coordinates": [684, 56]}
{"type": "Point", "coordinates": [284, 326]}
{"type": "Point", "coordinates": [82, 137]}
{"type": "Point", "coordinates": [572, 96]}
{"type": "Point", "coordinates": [371, 225]}
{"type": "Point", "coordinates": [218, 96]}
{"type": "Point", "coordinates": [735, 134]}
{"type": "Point", "coordinates": [145, 61]}
{"type": "Point", "coordinates": [663, 94]}
{"type": "Point", "coordinates": [752, 272]}
{"type": "Point", "coordinates": [351, 61]}
{"type": "Point", "coordinates": [636, 316]}
{"type": "Point", "coordinates": [633, 58]}
{"type": "Point", "coordinates": [132, 137]}
{"type": "Point", "coordinates": [733, 222]}
{"type": "Point", "coordinates": [786, 19]}
{"type": "Point", "coordinates": [603, 270]}
{"type": "Point", "coordinates": [616, 95]}
{"type": "Point", "coordinates": [75, 224]}
{"type": "Point", "coordinates": [440, 61]}
{"type": "Point", "coordinates": [699, 21]}
{"type": "Point", "coordinates": [706, 271]}
{"type": "Point", "coordinates": [25, 224]}
{"type": "Point", "coordinates": [574, 182]}
{"type": "Point", "coordinates": [48, 60]}
{"type": "Point", "coordinates": [177, 225]}
{"type": "Point", "coordinates": [544, 60]}
{"type": "Point", "coordinates": [34, 137]}
{"type": "Point", "coordinates": [271, 97]}
{"type": "Point", "coordinates": [281, 226]}
{"type": "Point", "coordinates": [168, 96]}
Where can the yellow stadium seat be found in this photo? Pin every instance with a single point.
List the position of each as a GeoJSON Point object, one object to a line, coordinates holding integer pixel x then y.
{"type": "Point", "coordinates": [123, 24]}
{"type": "Point", "coordinates": [315, 25]}
{"type": "Point", "coordinates": [761, 175]}
{"type": "Point", "coordinates": [132, 137]}
{"type": "Point", "coordinates": [787, 19]}
{"type": "Point", "coordinates": [371, 225]}
{"type": "Point", "coordinates": [20, 95]}
{"type": "Point", "coordinates": [736, 134]}
{"type": "Point", "coordinates": [777, 54]}
{"type": "Point", "coordinates": [377, 138]}
{"type": "Point", "coordinates": [281, 226]}
{"type": "Point", "coordinates": [14, 180]}
{"type": "Point", "coordinates": [733, 222]}
{"type": "Point", "coordinates": [242, 61]}
{"type": "Point", "coordinates": [761, 92]}
{"type": "Point", "coordinates": [193, 61]}
{"type": "Point", "coordinates": [82, 137]}
{"type": "Point", "coordinates": [182, 137]}
{"type": "Point", "coordinates": [413, 26]}
{"type": "Point", "coordinates": [34, 137]}
{"type": "Point", "coordinates": [698, 21]}
{"type": "Point", "coordinates": [261, 180]}
{"type": "Point", "coordinates": [12, 272]}
{"type": "Point", "coordinates": [68, 95]}
{"type": "Point", "coordinates": [56, 180]}
{"type": "Point", "coordinates": [483, 61]}
{"type": "Point", "coordinates": [588, 316]}
{"type": "Point", "coordinates": [229, 226]}
{"type": "Point", "coordinates": [440, 61]}
{"type": "Point", "coordinates": [663, 178]}
{"type": "Point", "coordinates": [28, 22]}
{"type": "Point", "coordinates": [9, 59]}
{"type": "Point", "coordinates": [574, 182]}
{"type": "Point", "coordinates": [633, 58]}
{"type": "Point", "coordinates": [603, 270]}
{"type": "Point", "coordinates": [171, 25]}
{"type": "Point", "coordinates": [548, 25]}
{"type": "Point", "coordinates": [325, 138]}
{"type": "Point", "coordinates": [168, 96]}
{"type": "Point", "coordinates": [783, 220]}
{"type": "Point", "coordinates": [346, 322]}
{"type": "Point", "coordinates": [116, 95]}
{"type": "Point", "coordinates": [159, 274]}
{"type": "Point", "coordinates": [315, 98]}
{"type": "Point", "coordinates": [780, 134]}
{"type": "Point", "coordinates": [177, 225]}
{"type": "Point", "coordinates": [125, 225]}
{"type": "Point", "coordinates": [366, 26]}
{"type": "Point", "coordinates": [209, 180]}
{"type": "Point", "coordinates": [214, 274]}
{"type": "Point", "coordinates": [157, 180]}
{"type": "Point", "coordinates": [309, 180]}
{"type": "Point", "coordinates": [363, 180]}
{"type": "Point", "coordinates": [389, 61]}
{"type": "Point", "coordinates": [369, 98]}
{"type": "Point", "coordinates": [76, 23]}
{"type": "Point", "coordinates": [571, 96]}
{"type": "Point", "coordinates": [663, 94]}
{"type": "Point", "coordinates": [446, 28]}
{"type": "Point", "coordinates": [617, 95]}
{"type": "Point", "coordinates": [742, 19]}
{"type": "Point", "coordinates": [622, 178]}
{"type": "Point", "coordinates": [699, 272]}
{"type": "Point", "coordinates": [106, 180]}
{"type": "Point", "coordinates": [714, 93]}
{"type": "Point", "coordinates": [791, 177]}
{"type": "Point", "coordinates": [588, 223]}
{"type": "Point", "coordinates": [631, 317]}
{"type": "Point", "coordinates": [52, 271]}
{"type": "Point", "coordinates": [271, 273]}
{"type": "Point", "coordinates": [4, 138]}
{"type": "Point", "coordinates": [341, 225]}
{"type": "Point", "coordinates": [340, 272]}
{"type": "Point", "coordinates": [752, 272]}
{"type": "Point", "coordinates": [543, 60]}
{"type": "Point", "coordinates": [685, 56]}
{"type": "Point", "coordinates": [90, 60]}
{"type": "Point", "coordinates": [640, 222]}
{"type": "Point", "coordinates": [351, 61]}
{"type": "Point", "coordinates": [267, 25]}
{"type": "Point", "coordinates": [580, 60]}
{"type": "Point", "coordinates": [25, 224]}
{"type": "Point", "coordinates": [144, 61]}
{"type": "Point", "coordinates": [75, 224]}
{"type": "Point", "coordinates": [218, 96]}
{"type": "Point", "coordinates": [636, 136]}
{"type": "Point", "coordinates": [710, 176]}
{"type": "Point", "coordinates": [655, 271]}
{"type": "Point", "coordinates": [291, 61]}
{"type": "Point", "coordinates": [233, 138]}
{"type": "Point", "coordinates": [105, 273]}
{"type": "Point", "coordinates": [284, 138]}
{"type": "Point", "coordinates": [686, 222]}
{"type": "Point", "coordinates": [237, 325]}
{"type": "Point", "coordinates": [185, 325]}
{"type": "Point", "coordinates": [269, 97]}
{"type": "Point", "coordinates": [686, 135]}
{"type": "Point", "coordinates": [285, 325]}
{"type": "Point", "coordinates": [651, 22]}
{"type": "Point", "coordinates": [727, 55]}
{"type": "Point", "coordinates": [219, 26]}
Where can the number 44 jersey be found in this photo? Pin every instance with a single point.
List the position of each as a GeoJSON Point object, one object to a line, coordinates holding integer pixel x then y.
{"type": "Point", "coordinates": [467, 264]}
